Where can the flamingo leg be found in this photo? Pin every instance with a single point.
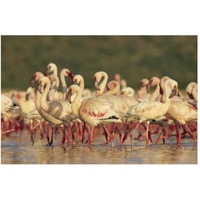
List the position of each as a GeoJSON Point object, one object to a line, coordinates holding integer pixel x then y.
{"type": "Point", "coordinates": [120, 134]}
{"type": "Point", "coordinates": [126, 133]}
{"type": "Point", "coordinates": [83, 133]}
{"type": "Point", "coordinates": [191, 134]}
{"type": "Point", "coordinates": [90, 137]}
{"type": "Point", "coordinates": [53, 132]}
{"type": "Point", "coordinates": [42, 131]}
{"type": "Point", "coordinates": [131, 135]}
{"type": "Point", "coordinates": [77, 131]}
{"type": "Point", "coordinates": [64, 137]}
{"type": "Point", "coordinates": [110, 138]}
{"type": "Point", "coordinates": [147, 134]}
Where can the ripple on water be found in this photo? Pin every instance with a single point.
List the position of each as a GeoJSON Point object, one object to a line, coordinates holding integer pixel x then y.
{"type": "Point", "coordinates": [19, 150]}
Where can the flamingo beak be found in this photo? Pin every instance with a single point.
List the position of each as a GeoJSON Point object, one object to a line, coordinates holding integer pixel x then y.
{"type": "Point", "coordinates": [96, 84]}
{"type": "Point", "coordinates": [70, 75]}
{"type": "Point", "coordinates": [161, 90]}
{"type": "Point", "coordinates": [39, 88]}
{"type": "Point", "coordinates": [68, 97]}
{"type": "Point", "coordinates": [140, 85]}
{"type": "Point", "coordinates": [174, 92]}
{"type": "Point", "coordinates": [32, 81]}
{"type": "Point", "coordinates": [75, 82]}
{"type": "Point", "coordinates": [148, 86]}
{"type": "Point", "coordinates": [190, 96]}
{"type": "Point", "coordinates": [46, 72]}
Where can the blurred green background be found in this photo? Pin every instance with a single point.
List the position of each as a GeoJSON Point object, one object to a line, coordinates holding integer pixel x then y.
{"type": "Point", "coordinates": [134, 57]}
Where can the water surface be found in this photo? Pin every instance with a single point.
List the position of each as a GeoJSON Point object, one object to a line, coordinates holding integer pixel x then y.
{"type": "Point", "coordinates": [17, 149]}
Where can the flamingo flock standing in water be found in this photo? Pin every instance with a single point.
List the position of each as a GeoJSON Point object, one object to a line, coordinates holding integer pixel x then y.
{"type": "Point", "coordinates": [112, 108]}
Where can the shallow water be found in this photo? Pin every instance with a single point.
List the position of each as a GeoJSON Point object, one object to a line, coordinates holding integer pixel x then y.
{"type": "Point", "coordinates": [17, 149]}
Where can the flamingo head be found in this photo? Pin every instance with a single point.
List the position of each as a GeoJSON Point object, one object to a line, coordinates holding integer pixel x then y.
{"type": "Point", "coordinates": [32, 81]}
{"type": "Point", "coordinates": [77, 79]}
{"type": "Point", "coordinates": [143, 83]}
{"type": "Point", "coordinates": [68, 73]}
{"type": "Point", "coordinates": [148, 86]}
{"type": "Point", "coordinates": [95, 83]}
{"type": "Point", "coordinates": [36, 77]}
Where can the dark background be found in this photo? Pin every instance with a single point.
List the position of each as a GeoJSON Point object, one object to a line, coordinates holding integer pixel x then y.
{"type": "Point", "coordinates": [134, 57]}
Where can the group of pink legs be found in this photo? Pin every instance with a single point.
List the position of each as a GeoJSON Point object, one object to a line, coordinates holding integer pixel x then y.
{"type": "Point", "coordinates": [81, 132]}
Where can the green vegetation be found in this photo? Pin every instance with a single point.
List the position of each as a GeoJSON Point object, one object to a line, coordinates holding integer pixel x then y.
{"type": "Point", "coordinates": [134, 57]}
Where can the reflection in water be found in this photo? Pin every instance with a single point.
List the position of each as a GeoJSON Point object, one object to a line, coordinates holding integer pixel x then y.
{"type": "Point", "coordinates": [17, 149]}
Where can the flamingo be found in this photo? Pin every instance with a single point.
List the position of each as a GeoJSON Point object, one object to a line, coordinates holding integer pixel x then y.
{"type": "Point", "coordinates": [93, 111]}
{"type": "Point", "coordinates": [155, 95]}
{"type": "Point", "coordinates": [127, 91]}
{"type": "Point", "coordinates": [6, 105]}
{"type": "Point", "coordinates": [120, 105]}
{"type": "Point", "coordinates": [151, 110]}
{"type": "Point", "coordinates": [65, 73]}
{"type": "Point", "coordinates": [142, 92]}
{"type": "Point", "coordinates": [60, 110]}
{"type": "Point", "coordinates": [191, 90]}
{"type": "Point", "coordinates": [50, 119]}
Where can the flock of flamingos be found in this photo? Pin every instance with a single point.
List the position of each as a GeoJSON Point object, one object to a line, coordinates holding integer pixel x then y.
{"type": "Point", "coordinates": [112, 108]}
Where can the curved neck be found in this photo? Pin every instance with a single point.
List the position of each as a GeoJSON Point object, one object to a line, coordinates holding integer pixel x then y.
{"type": "Point", "coordinates": [115, 90]}
{"type": "Point", "coordinates": [64, 85]}
{"type": "Point", "coordinates": [55, 71]}
{"type": "Point", "coordinates": [43, 101]}
{"type": "Point", "coordinates": [54, 89]}
{"type": "Point", "coordinates": [166, 93]}
{"type": "Point", "coordinates": [142, 93]}
{"type": "Point", "coordinates": [37, 100]}
{"type": "Point", "coordinates": [155, 94]}
{"type": "Point", "coordinates": [76, 101]}
{"type": "Point", "coordinates": [103, 84]}
{"type": "Point", "coordinates": [194, 92]}
{"type": "Point", "coordinates": [82, 85]}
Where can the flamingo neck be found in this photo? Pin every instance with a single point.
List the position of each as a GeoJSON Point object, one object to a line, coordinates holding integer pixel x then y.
{"type": "Point", "coordinates": [166, 93]}
{"type": "Point", "coordinates": [82, 85]}
{"type": "Point", "coordinates": [194, 92]}
{"type": "Point", "coordinates": [115, 90]}
{"type": "Point", "coordinates": [44, 104]}
{"type": "Point", "coordinates": [155, 94]}
{"type": "Point", "coordinates": [103, 84]}
{"type": "Point", "coordinates": [37, 100]}
{"type": "Point", "coordinates": [76, 101]}
{"type": "Point", "coordinates": [64, 85]}
{"type": "Point", "coordinates": [53, 90]}
{"type": "Point", "coordinates": [142, 93]}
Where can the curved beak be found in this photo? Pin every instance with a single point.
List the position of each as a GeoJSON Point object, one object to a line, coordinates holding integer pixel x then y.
{"type": "Point", "coordinates": [161, 90]}
{"type": "Point", "coordinates": [140, 85]}
{"type": "Point", "coordinates": [174, 92]}
{"type": "Point", "coordinates": [68, 97]}
{"type": "Point", "coordinates": [46, 72]}
{"type": "Point", "coordinates": [95, 83]}
{"type": "Point", "coordinates": [32, 81]}
{"type": "Point", "coordinates": [75, 82]}
{"type": "Point", "coordinates": [190, 96]}
{"type": "Point", "coordinates": [148, 86]}
{"type": "Point", "coordinates": [39, 88]}
{"type": "Point", "coordinates": [70, 75]}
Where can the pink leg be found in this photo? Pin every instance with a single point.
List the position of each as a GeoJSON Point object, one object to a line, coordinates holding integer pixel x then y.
{"type": "Point", "coordinates": [131, 135]}
{"type": "Point", "coordinates": [191, 134]}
